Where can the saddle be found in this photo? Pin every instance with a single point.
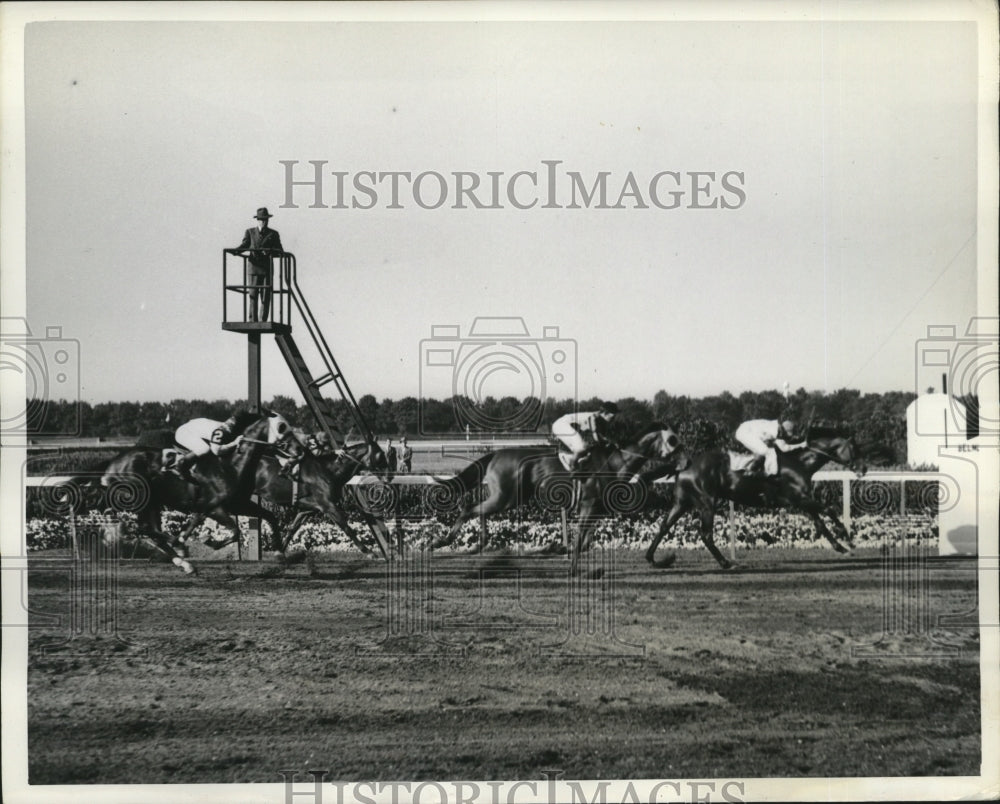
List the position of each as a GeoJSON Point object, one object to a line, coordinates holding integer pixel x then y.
{"type": "Point", "coordinates": [739, 461]}
{"type": "Point", "coordinates": [742, 461]}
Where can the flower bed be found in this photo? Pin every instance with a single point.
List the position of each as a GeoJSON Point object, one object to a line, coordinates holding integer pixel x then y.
{"type": "Point", "coordinates": [753, 529]}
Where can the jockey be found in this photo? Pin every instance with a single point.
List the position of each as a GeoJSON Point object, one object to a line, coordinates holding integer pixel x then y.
{"type": "Point", "coordinates": [319, 444]}
{"type": "Point", "coordinates": [202, 436]}
{"type": "Point", "coordinates": [578, 432]}
{"type": "Point", "coordinates": [761, 436]}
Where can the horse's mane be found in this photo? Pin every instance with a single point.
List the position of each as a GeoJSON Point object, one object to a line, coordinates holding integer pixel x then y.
{"type": "Point", "coordinates": [827, 431]}
{"type": "Point", "coordinates": [243, 419]}
{"type": "Point", "coordinates": [652, 427]}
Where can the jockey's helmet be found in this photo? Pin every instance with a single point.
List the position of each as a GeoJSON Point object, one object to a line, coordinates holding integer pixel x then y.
{"type": "Point", "coordinates": [609, 409]}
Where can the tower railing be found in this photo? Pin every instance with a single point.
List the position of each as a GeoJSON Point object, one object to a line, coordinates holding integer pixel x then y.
{"type": "Point", "coordinates": [285, 297]}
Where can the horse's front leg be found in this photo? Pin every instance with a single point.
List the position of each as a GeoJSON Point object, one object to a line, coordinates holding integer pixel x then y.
{"type": "Point", "coordinates": [585, 526]}
{"type": "Point", "coordinates": [339, 516]}
{"type": "Point", "coordinates": [150, 526]}
{"type": "Point", "coordinates": [707, 531]}
{"type": "Point", "coordinates": [227, 521]}
{"type": "Point", "coordinates": [194, 521]}
{"type": "Point", "coordinates": [676, 512]}
{"type": "Point", "coordinates": [813, 510]}
{"type": "Point", "coordinates": [250, 508]}
{"type": "Point", "coordinates": [821, 528]}
{"type": "Point", "coordinates": [380, 532]}
{"type": "Point", "coordinates": [300, 518]}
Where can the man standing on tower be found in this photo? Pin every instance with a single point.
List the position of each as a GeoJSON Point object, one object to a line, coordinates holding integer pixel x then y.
{"type": "Point", "coordinates": [261, 243]}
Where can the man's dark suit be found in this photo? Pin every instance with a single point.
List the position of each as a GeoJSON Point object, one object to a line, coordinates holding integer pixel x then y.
{"type": "Point", "coordinates": [259, 267]}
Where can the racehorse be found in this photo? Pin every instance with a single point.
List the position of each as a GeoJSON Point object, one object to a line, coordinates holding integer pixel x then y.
{"type": "Point", "coordinates": [710, 479]}
{"type": "Point", "coordinates": [319, 487]}
{"type": "Point", "coordinates": [517, 475]}
{"type": "Point", "coordinates": [220, 487]}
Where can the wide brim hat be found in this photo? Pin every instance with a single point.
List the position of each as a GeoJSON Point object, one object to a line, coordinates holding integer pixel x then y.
{"type": "Point", "coordinates": [263, 214]}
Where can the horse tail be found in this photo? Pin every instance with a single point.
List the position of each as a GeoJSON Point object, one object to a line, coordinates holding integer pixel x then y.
{"type": "Point", "coordinates": [471, 477]}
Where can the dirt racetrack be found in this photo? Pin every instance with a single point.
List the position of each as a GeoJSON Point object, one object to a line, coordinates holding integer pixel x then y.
{"type": "Point", "coordinates": [802, 663]}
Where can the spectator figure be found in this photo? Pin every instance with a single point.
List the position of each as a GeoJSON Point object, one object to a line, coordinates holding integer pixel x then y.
{"type": "Point", "coordinates": [260, 243]}
{"type": "Point", "coordinates": [405, 456]}
{"type": "Point", "coordinates": [390, 455]}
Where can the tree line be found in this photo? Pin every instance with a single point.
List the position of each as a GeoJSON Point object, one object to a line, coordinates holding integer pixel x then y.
{"type": "Point", "coordinates": [703, 422]}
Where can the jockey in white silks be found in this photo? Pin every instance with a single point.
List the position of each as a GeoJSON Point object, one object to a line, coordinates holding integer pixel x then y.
{"type": "Point", "coordinates": [202, 436]}
{"type": "Point", "coordinates": [579, 431]}
{"type": "Point", "coordinates": [762, 436]}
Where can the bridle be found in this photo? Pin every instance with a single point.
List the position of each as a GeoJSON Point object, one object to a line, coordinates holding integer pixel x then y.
{"type": "Point", "coordinates": [643, 455]}
{"type": "Point", "coordinates": [828, 456]}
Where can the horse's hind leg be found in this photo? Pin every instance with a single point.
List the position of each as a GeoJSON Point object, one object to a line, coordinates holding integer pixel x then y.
{"type": "Point", "coordinates": [497, 501]}
{"type": "Point", "coordinates": [455, 529]}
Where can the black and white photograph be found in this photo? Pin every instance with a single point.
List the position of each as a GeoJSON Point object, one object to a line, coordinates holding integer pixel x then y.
{"type": "Point", "coordinates": [499, 402]}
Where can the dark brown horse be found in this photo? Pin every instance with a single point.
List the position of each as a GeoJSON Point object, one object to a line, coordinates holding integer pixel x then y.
{"type": "Point", "coordinates": [220, 487]}
{"type": "Point", "coordinates": [518, 475]}
{"type": "Point", "coordinates": [320, 485]}
{"type": "Point", "coordinates": [710, 479]}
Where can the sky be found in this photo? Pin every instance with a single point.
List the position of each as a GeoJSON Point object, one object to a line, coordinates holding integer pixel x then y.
{"type": "Point", "coordinates": [149, 146]}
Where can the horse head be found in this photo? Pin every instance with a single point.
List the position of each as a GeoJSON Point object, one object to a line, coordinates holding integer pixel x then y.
{"type": "Point", "coordinates": [837, 444]}
{"type": "Point", "coordinates": [272, 430]}
{"type": "Point", "coordinates": [659, 441]}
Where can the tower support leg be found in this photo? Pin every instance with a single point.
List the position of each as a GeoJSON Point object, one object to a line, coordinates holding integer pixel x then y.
{"type": "Point", "coordinates": [253, 541]}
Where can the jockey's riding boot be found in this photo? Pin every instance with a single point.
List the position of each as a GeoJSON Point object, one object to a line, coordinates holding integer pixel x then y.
{"type": "Point", "coordinates": [182, 467]}
{"type": "Point", "coordinates": [578, 463]}
{"type": "Point", "coordinates": [290, 470]}
{"type": "Point", "coordinates": [755, 466]}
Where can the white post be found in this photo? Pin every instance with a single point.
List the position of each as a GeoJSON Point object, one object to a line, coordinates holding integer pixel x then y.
{"type": "Point", "coordinates": [846, 517]}
{"type": "Point", "coordinates": [72, 531]}
{"type": "Point", "coordinates": [732, 531]}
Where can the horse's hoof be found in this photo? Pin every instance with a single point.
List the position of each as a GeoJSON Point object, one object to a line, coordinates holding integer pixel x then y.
{"type": "Point", "coordinates": [596, 574]}
{"type": "Point", "coordinates": [664, 563]}
{"type": "Point", "coordinates": [730, 566]}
